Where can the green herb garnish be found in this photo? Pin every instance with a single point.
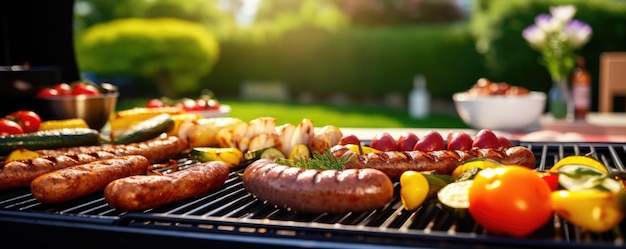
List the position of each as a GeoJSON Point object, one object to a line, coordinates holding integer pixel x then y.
{"type": "Point", "coordinates": [319, 161]}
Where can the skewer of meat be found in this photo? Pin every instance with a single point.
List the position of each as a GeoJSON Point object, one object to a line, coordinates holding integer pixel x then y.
{"type": "Point", "coordinates": [394, 163]}
{"type": "Point", "coordinates": [20, 173]}
{"type": "Point", "coordinates": [81, 180]}
{"type": "Point", "coordinates": [142, 192]}
{"type": "Point", "coordinates": [317, 191]}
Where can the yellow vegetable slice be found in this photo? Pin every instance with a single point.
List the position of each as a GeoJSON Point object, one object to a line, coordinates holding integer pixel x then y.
{"type": "Point", "coordinates": [595, 211]}
{"type": "Point", "coordinates": [19, 154]}
{"type": "Point", "coordinates": [579, 160]}
{"type": "Point", "coordinates": [361, 149]}
{"type": "Point", "coordinates": [481, 163]}
{"type": "Point", "coordinates": [300, 151]}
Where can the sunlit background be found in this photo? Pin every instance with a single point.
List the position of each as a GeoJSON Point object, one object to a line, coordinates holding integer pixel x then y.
{"type": "Point", "coordinates": [358, 51]}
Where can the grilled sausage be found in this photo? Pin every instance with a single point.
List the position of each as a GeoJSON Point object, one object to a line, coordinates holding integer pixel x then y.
{"type": "Point", "coordinates": [80, 180]}
{"type": "Point", "coordinates": [156, 150]}
{"type": "Point", "coordinates": [19, 173]}
{"type": "Point", "coordinates": [315, 191]}
{"type": "Point", "coordinates": [394, 163]}
{"type": "Point", "coordinates": [151, 191]}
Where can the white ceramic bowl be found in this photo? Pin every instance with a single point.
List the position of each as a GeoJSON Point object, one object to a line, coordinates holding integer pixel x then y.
{"type": "Point", "coordinates": [499, 112]}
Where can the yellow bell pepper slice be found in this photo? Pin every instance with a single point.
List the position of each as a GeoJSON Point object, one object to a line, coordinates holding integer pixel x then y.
{"type": "Point", "coordinates": [591, 210]}
{"type": "Point", "coordinates": [416, 187]}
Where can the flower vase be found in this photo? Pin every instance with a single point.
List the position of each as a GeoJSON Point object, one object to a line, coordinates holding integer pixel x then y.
{"type": "Point", "coordinates": [559, 99]}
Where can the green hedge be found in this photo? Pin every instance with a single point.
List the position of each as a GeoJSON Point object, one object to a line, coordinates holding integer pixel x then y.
{"type": "Point", "coordinates": [358, 62]}
{"type": "Point", "coordinates": [375, 61]}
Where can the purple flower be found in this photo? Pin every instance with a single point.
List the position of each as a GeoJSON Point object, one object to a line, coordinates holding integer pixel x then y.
{"type": "Point", "coordinates": [577, 33]}
{"type": "Point", "coordinates": [534, 36]}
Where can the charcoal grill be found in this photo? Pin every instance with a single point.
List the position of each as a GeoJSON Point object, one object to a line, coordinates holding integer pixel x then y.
{"type": "Point", "coordinates": [231, 217]}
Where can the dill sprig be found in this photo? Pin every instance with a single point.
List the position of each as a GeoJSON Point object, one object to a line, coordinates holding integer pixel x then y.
{"type": "Point", "coordinates": [319, 161]}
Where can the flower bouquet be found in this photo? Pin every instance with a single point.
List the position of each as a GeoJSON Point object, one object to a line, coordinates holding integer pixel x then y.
{"type": "Point", "coordinates": [557, 36]}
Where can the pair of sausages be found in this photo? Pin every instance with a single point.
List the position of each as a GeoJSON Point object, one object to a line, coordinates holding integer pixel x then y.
{"type": "Point", "coordinates": [20, 173]}
{"type": "Point", "coordinates": [126, 184]}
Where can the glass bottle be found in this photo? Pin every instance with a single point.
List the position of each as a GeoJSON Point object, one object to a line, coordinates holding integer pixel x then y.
{"type": "Point", "coordinates": [419, 98]}
{"type": "Point", "coordinates": [581, 89]}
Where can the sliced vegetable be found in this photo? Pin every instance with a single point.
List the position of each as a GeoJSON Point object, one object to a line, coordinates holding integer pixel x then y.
{"type": "Point", "coordinates": [231, 156]}
{"type": "Point", "coordinates": [416, 187]}
{"type": "Point", "coordinates": [20, 154]}
{"type": "Point", "coordinates": [582, 177]}
{"type": "Point", "coordinates": [455, 195]}
{"type": "Point", "coordinates": [63, 123]}
{"type": "Point", "coordinates": [271, 153]}
{"type": "Point", "coordinates": [123, 120]}
{"type": "Point", "coordinates": [147, 129]}
{"type": "Point", "coordinates": [480, 163]}
{"type": "Point", "coordinates": [595, 211]}
{"type": "Point", "coordinates": [50, 139]}
{"type": "Point", "coordinates": [300, 151]}
{"type": "Point", "coordinates": [579, 160]}
{"type": "Point", "coordinates": [361, 149]}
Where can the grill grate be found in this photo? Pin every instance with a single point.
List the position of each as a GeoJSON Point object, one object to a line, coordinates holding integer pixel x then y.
{"type": "Point", "coordinates": [233, 211]}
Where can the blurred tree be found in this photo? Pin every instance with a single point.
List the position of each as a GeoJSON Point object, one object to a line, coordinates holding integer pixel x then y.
{"type": "Point", "coordinates": [313, 13]}
{"type": "Point", "coordinates": [205, 12]}
{"type": "Point", "coordinates": [400, 12]}
{"type": "Point", "coordinates": [173, 53]}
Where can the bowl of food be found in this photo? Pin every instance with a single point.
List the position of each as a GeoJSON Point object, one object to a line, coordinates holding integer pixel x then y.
{"type": "Point", "coordinates": [90, 102]}
{"type": "Point", "coordinates": [500, 106]}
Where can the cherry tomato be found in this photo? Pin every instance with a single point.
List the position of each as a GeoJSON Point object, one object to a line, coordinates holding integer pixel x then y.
{"type": "Point", "coordinates": [86, 89]}
{"type": "Point", "coordinates": [190, 105]}
{"type": "Point", "coordinates": [212, 104]}
{"type": "Point", "coordinates": [10, 127]}
{"type": "Point", "coordinates": [29, 120]}
{"type": "Point", "coordinates": [510, 200]}
{"type": "Point", "coordinates": [47, 92]}
{"type": "Point", "coordinates": [63, 89]}
{"type": "Point", "coordinates": [153, 103]}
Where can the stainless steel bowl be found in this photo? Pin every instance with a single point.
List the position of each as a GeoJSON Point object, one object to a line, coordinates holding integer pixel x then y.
{"type": "Point", "coordinates": [95, 110]}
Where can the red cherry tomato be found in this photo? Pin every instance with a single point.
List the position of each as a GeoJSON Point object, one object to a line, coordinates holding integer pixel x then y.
{"type": "Point", "coordinates": [10, 127]}
{"type": "Point", "coordinates": [29, 120]}
{"type": "Point", "coordinates": [153, 103]}
{"type": "Point", "coordinates": [63, 89]}
{"type": "Point", "coordinates": [47, 92]}
{"type": "Point", "coordinates": [190, 105]}
{"type": "Point", "coordinates": [84, 89]}
{"type": "Point", "coordinates": [213, 104]}
{"type": "Point", "coordinates": [510, 200]}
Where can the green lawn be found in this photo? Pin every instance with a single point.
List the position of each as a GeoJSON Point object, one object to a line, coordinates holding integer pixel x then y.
{"type": "Point", "coordinates": [328, 114]}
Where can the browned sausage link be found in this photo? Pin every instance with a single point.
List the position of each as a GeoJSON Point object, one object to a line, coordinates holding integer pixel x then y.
{"type": "Point", "coordinates": [19, 173]}
{"type": "Point", "coordinates": [81, 180]}
{"type": "Point", "coordinates": [156, 150]}
{"type": "Point", "coordinates": [315, 191]}
{"type": "Point", "coordinates": [394, 163]}
{"type": "Point", "coordinates": [151, 191]}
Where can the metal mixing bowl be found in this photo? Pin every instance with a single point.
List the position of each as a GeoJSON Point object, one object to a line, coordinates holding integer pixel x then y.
{"type": "Point", "coordinates": [95, 110]}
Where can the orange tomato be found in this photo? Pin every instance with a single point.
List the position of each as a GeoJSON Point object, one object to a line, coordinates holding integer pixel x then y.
{"type": "Point", "coordinates": [510, 200]}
